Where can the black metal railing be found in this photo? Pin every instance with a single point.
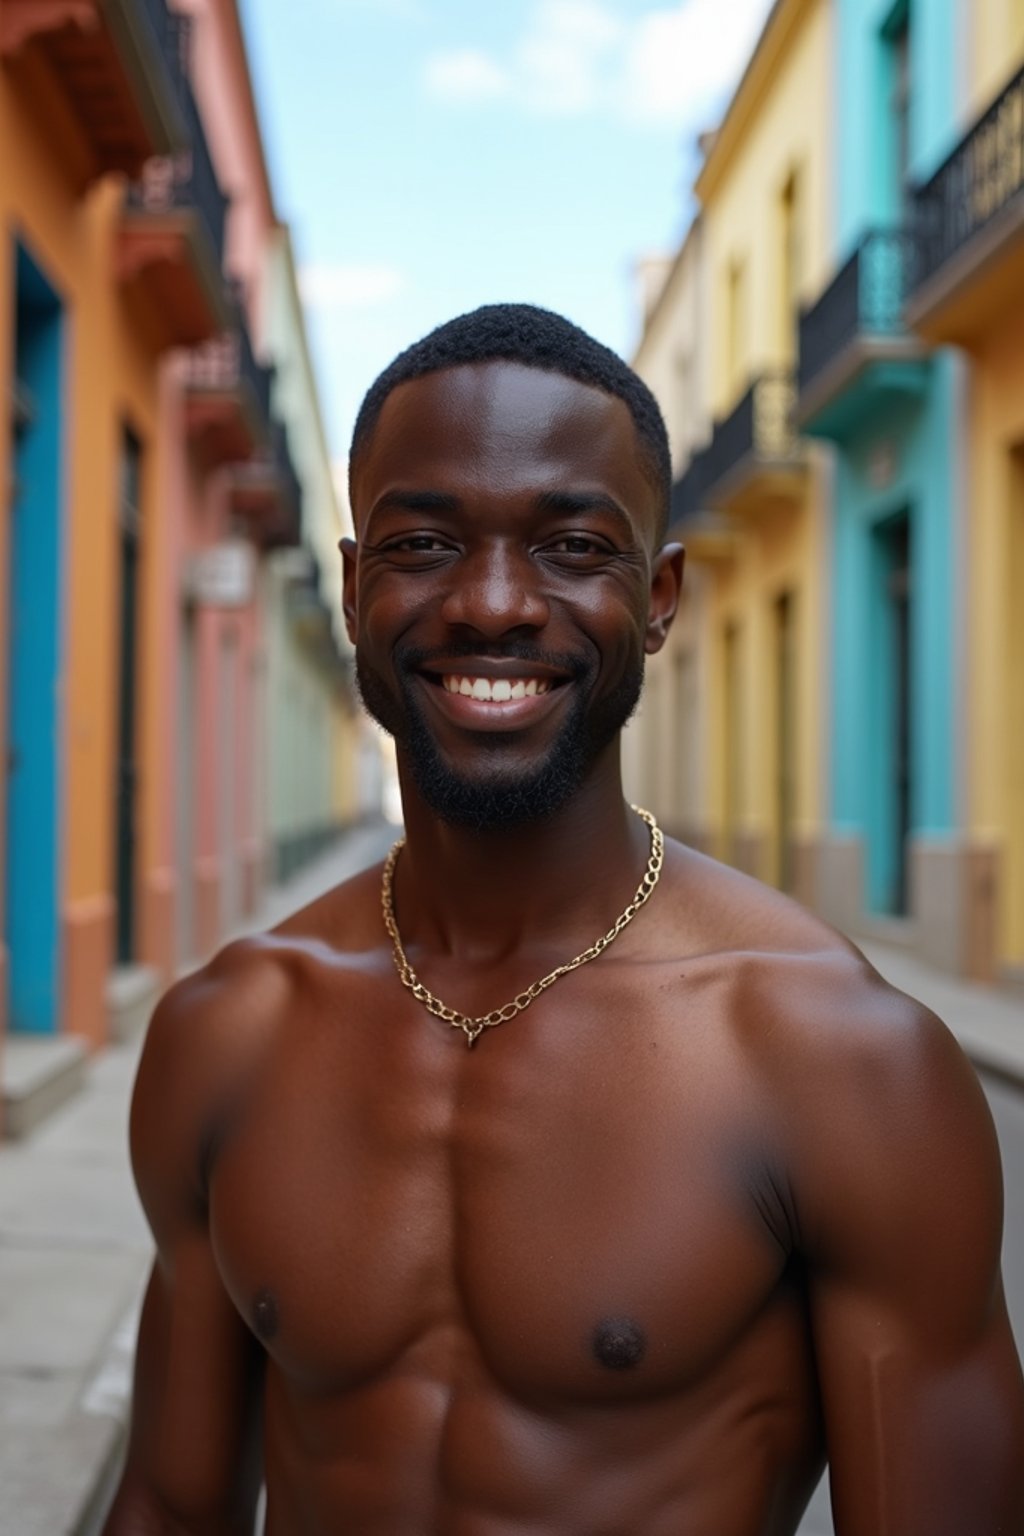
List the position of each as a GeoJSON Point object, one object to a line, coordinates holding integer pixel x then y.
{"type": "Point", "coordinates": [976, 183]}
{"type": "Point", "coordinates": [688, 490]}
{"type": "Point", "coordinates": [865, 298]}
{"type": "Point", "coordinates": [185, 181]}
{"type": "Point", "coordinates": [760, 427]}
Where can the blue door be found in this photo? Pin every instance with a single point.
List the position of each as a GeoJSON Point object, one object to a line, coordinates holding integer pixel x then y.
{"type": "Point", "coordinates": [33, 609]}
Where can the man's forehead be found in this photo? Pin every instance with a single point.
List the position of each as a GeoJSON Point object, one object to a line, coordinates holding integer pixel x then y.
{"type": "Point", "coordinates": [504, 393]}
{"type": "Point", "coordinates": [486, 414]}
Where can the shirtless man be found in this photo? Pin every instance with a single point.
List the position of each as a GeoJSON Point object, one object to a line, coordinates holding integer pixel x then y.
{"type": "Point", "coordinates": [712, 1205]}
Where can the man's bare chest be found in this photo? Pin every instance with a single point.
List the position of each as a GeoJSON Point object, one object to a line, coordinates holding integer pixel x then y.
{"type": "Point", "coordinates": [572, 1220]}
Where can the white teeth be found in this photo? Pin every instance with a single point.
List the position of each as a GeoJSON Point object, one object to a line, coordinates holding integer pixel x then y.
{"type": "Point", "coordinates": [495, 690]}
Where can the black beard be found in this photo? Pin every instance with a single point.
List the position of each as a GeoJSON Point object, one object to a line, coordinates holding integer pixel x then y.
{"type": "Point", "coordinates": [503, 798]}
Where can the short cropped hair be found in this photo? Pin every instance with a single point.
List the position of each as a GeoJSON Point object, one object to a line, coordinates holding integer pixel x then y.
{"type": "Point", "coordinates": [536, 338]}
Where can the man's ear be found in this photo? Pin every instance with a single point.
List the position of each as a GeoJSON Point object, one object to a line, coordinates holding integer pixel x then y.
{"type": "Point", "coordinates": [348, 586]}
{"type": "Point", "coordinates": [666, 585]}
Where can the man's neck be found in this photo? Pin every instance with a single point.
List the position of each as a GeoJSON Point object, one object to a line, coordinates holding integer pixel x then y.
{"type": "Point", "coordinates": [487, 893]}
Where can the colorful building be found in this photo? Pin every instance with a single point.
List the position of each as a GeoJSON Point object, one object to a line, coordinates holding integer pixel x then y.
{"type": "Point", "coordinates": [314, 723]}
{"type": "Point", "coordinates": [88, 94]}
{"type": "Point", "coordinates": [893, 859]}
{"type": "Point", "coordinates": [750, 504]}
{"type": "Point", "coordinates": [662, 746]}
{"type": "Point", "coordinates": [968, 290]}
{"type": "Point", "coordinates": [151, 487]}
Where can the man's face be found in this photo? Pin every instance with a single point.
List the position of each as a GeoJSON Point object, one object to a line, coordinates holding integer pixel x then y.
{"type": "Point", "coordinates": [500, 594]}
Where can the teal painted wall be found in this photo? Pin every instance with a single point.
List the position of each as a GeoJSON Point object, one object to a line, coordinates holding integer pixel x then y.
{"type": "Point", "coordinates": [864, 82]}
{"type": "Point", "coordinates": [900, 458]}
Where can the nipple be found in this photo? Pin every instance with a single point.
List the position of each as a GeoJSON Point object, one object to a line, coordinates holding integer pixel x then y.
{"type": "Point", "coordinates": [618, 1343]}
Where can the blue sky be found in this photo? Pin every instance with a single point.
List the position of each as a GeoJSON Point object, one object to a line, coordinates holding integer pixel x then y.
{"type": "Point", "coordinates": [432, 155]}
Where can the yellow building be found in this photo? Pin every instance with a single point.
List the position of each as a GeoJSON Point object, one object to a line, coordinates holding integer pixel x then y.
{"type": "Point", "coordinates": [970, 292]}
{"type": "Point", "coordinates": [662, 745]}
{"type": "Point", "coordinates": [749, 505]}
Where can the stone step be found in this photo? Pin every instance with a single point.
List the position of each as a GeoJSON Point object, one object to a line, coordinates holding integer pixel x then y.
{"type": "Point", "coordinates": [39, 1073]}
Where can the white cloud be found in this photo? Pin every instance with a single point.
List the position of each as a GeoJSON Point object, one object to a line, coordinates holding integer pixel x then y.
{"type": "Point", "coordinates": [347, 285]}
{"type": "Point", "coordinates": [672, 65]}
{"type": "Point", "coordinates": [679, 62]}
{"type": "Point", "coordinates": [465, 75]}
{"type": "Point", "coordinates": [563, 59]}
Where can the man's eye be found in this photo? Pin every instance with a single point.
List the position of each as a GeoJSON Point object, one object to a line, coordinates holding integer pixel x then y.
{"type": "Point", "coordinates": [575, 544]}
{"type": "Point", "coordinates": [418, 544]}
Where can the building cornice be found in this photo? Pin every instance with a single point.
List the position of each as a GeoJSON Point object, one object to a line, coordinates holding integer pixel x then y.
{"type": "Point", "coordinates": [776, 35]}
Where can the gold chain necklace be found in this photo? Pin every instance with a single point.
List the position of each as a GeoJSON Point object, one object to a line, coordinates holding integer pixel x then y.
{"type": "Point", "coordinates": [473, 1027]}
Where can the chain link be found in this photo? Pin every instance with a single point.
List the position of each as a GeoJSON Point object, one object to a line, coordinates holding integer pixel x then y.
{"type": "Point", "coordinates": [473, 1027]}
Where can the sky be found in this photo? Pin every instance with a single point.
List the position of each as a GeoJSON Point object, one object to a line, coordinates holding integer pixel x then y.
{"type": "Point", "coordinates": [433, 155]}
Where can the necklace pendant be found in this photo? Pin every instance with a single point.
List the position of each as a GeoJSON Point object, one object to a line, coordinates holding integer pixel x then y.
{"type": "Point", "coordinates": [472, 1033]}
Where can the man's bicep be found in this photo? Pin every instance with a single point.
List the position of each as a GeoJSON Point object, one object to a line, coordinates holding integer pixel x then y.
{"type": "Point", "coordinates": [193, 1455]}
{"type": "Point", "coordinates": [193, 1461]}
{"type": "Point", "coordinates": [921, 1384]}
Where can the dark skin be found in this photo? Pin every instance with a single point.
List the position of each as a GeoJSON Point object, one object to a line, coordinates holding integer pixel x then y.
{"type": "Point", "coordinates": [717, 1203]}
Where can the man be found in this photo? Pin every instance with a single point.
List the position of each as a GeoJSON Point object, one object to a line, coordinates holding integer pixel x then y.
{"type": "Point", "coordinates": [706, 1201]}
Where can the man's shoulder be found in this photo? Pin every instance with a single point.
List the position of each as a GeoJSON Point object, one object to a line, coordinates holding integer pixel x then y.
{"type": "Point", "coordinates": [803, 994]}
{"type": "Point", "coordinates": [213, 1027]}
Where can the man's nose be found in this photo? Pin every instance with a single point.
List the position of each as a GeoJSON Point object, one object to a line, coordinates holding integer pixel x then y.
{"type": "Point", "coordinates": [494, 591]}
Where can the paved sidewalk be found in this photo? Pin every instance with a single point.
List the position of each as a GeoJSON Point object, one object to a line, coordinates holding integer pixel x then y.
{"type": "Point", "coordinates": [74, 1255]}
{"type": "Point", "coordinates": [74, 1248]}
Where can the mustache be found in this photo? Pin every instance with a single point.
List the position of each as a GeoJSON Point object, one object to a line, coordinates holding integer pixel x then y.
{"type": "Point", "coordinates": [417, 658]}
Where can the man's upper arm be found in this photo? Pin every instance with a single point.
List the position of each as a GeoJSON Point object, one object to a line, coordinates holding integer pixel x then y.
{"type": "Point", "coordinates": [900, 1210]}
{"type": "Point", "coordinates": [193, 1462]}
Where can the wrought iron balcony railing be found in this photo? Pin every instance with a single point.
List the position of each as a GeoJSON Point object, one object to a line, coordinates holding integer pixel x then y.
{"type": "Point", "coordinates": [865, 299]}
{"type": "Point", "coordinates": [688, 490]}
{"type": "Point", "coordinates": [977, 183]}
{"type": "Point", "coordinates": [760, 428]}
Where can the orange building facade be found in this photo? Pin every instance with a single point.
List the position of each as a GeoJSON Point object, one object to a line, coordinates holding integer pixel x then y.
{"type": "Point", "coordinates": [144, 480]}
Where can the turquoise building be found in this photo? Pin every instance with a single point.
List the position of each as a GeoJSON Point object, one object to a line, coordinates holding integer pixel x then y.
{"type": "Point", "coordinates": [889, 405]}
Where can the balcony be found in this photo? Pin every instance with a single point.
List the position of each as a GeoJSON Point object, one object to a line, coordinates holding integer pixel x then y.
{"type": "Point", "coordinates": [971, 220]}
{"type": "Point", "coordinates": [708, 536]}
{"type": "Point", "coordinates": [755, 455]}
{"type": "Point", "coordinates": [855, 352]}
{"type": "Point", "coordinates": [227, 398]}
{"type": "Point", "coordinates": [171, 240]}
{"type": "Point", "coordinates": [112, 66]}
{"type": "Point", "coordinates": [266, 494]}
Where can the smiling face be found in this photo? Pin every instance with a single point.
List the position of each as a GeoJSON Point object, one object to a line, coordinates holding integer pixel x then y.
{"type": "Point", "coordinates": [504, 587]}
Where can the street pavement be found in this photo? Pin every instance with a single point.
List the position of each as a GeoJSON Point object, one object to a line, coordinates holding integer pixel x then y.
{"type": "Point", "coordinates": [74, 1248]}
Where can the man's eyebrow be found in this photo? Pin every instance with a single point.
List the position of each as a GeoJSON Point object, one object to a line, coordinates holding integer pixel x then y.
{"type": "Point", "coordinates": [574, 502]}
{"type": "Point", "coordinates": [415, 501]}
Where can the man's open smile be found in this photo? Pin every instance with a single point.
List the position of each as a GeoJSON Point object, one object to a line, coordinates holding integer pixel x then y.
{"type": "Point", "coordinates": [491, 695]}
